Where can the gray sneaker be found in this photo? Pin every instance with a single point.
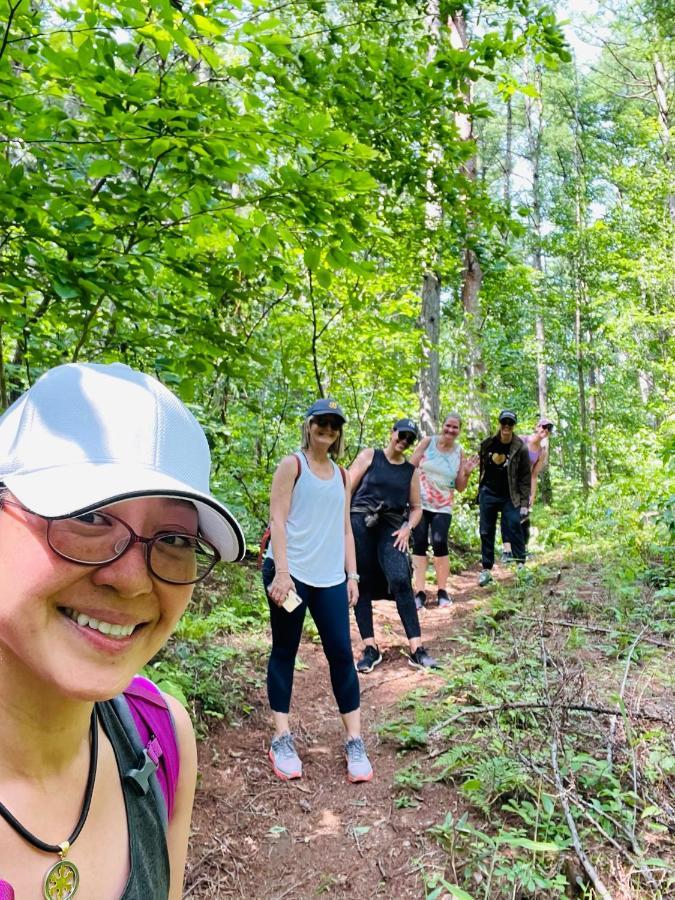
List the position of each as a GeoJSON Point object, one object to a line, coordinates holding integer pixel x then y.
{"type": "Point", "coordinates": [420, 600]}
{"type": "Point", "coordinates": [484, 578]}
{"type": "Point", "coordinates": [444, 601]}
{"type": "Point", "coordinates": [358, 764]}
{"type": "Point", "coordinates": [285, 761]}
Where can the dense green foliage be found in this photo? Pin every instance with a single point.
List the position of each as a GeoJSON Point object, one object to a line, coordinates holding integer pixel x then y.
{"type": "Point", "coordinates": [235, 196]}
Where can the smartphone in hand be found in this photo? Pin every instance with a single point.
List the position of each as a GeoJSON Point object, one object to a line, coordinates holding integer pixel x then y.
{"type": "Point", "coordinates": [292, 601]}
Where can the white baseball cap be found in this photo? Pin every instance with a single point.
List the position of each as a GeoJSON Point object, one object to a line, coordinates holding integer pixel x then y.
{"type": "Point", "coordinates": [86, 435]}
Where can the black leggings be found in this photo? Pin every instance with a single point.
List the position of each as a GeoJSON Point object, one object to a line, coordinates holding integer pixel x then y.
{"type": "Point", "coordinates": [329, 608]}
{"type": "Point", "coordinates": [525, 527]}
{"type": "Point", "coordinates": [439, 525]}
{"type": "Point", "coordinates": [384, 570]}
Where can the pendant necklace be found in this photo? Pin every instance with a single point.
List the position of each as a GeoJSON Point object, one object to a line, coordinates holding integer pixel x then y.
{"type": "Point", "coordinates": [63, 878]}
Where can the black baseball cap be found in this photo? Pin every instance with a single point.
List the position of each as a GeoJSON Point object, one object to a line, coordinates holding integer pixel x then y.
{"type": "Point", "coordinates": [325, 407]}
{"type": "Point", "coordinates": [407, 425]}
{"type": "Point", "coordinates": [508, 415]}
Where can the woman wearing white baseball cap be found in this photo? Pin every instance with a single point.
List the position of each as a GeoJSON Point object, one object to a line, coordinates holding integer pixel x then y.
{"type": "Point", "coordinates": [106, 525]}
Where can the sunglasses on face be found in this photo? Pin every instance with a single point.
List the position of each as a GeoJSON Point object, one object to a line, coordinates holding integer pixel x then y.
{"type": "Point", "coordinates": [508, 423]}
{"type": "Point", "coordinates": [407, 436]}
{"type": "Point", "coordinates": [548, 428]}
{"type": "Point", "coordinates": [328, 422]}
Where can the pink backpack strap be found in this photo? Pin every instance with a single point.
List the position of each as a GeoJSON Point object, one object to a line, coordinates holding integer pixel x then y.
{"type": "Point", "coordinates": [6, 891]}
{"type": "Point", "coordinates": [157, 732]}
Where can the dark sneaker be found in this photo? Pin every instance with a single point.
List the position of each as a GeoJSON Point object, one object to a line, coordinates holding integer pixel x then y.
{"type": "Point", "coordinates": [420, 600]}
{"type": "Point", "coordinates": [507, 557]}
{"type": "Point", "coordinates": [285, 761]}
{"type": "Point", "coordinates": [371, 658]}
{"type": "Point", "coordinates": [484, 578]}
{"type": "Point", "coordinates": [420, 659]}
{"type": "Point", "coordinates": [444, 601]}
{"type": "Point", "coordinates": [358, 764]}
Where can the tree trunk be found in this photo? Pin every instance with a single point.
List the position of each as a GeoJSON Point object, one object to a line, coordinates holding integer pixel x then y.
{"type": "Point", "coordinates": [661, 94]}
{"type": "Point", "coordinates": [429, 382]}
{"type": "Point", "coordinates": [581, 388]}
{"type": "Point", "coordinates": [472, 274]}
{"type": "Point", "coordinates": [430, 313]}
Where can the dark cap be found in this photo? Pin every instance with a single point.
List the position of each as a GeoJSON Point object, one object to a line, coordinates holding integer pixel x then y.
{"type": "Point", "coordinates": [407, 425]}
{"type": "Point", "coordinates": [325, 407]}
{"type": "Point", "coordinates": [547, 423]}
{"type": "Point", "coordinates": [507, 414]}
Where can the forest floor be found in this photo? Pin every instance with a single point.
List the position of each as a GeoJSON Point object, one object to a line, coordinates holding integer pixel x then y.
{"type": "Point", "coordinates": [255, 836]}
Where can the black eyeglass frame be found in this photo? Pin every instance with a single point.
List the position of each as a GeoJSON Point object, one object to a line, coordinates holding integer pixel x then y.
{"type": "Point", "coordinates": [134, 539]}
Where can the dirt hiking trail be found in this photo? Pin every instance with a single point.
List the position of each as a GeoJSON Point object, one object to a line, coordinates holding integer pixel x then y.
{"type": "Point", "coordinates": [257, 837]}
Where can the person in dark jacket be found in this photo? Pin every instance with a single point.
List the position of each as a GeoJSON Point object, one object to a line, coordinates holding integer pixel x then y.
{"type": "Point", "coordinates": [504, 488]}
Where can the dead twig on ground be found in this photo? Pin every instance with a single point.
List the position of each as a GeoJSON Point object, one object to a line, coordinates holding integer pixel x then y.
{"type": "Point", "coordinates": [291, 888]}
{"type": "Point", "coordinates": [581, 853]}
{"type": "Point", "coordinates": [622, 690]}
{"type": "Point", "coordinates": [570, 707]}
{"type": "Point", "coordinates": [589, 868]}
{"type": "Point", "coordinates": [596, 628]}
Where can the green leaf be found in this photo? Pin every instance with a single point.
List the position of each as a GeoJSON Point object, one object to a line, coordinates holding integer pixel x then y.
{"type": "Point", "coordinates": [65, 291]}
{"type": "Point", "coordinates": [312, 256]}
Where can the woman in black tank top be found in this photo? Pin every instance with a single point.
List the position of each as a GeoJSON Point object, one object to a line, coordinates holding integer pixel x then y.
{"type": "Point", "coordinates": [385, 508]}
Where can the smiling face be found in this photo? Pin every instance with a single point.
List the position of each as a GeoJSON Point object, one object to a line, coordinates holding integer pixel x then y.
{"type": "Point", "coordinates": [506, 430]}
{"type": "Point", "coordinates": [450, 430]}
{"type": "Point", "coordinates": [84, 632]}
{"type": "Point", "coordinates": [324, 431]}
{"type": "Point", "coordinates": [401, 440]}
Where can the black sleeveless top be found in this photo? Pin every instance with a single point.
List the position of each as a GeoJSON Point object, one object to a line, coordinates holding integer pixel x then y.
{"type": "Point", "coordinates": [385, 482]}
{"type": "Point", "coordinates": [150, 872]}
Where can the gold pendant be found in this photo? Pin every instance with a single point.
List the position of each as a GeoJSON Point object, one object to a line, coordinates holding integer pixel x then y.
{"type": "Point", "coordinates": [63, 879]}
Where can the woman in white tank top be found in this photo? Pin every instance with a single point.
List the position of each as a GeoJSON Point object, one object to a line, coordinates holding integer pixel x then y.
{"type": "Point", "coordinates": [312, 555]}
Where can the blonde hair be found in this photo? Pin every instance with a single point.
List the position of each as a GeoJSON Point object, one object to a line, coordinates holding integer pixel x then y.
{"type": "Point", "coordinates": [336, 449]}
{"type": "Point", "coordinates": [453, 415]}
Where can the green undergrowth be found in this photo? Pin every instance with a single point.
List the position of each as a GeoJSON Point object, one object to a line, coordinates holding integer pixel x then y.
{"type": "Point", "coordinates": [591, 623]}
{"type": "Point", "coordinates": [214, 659]}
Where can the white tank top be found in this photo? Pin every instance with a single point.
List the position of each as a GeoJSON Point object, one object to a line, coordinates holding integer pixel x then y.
{"type": "Point", "coordinates": [315, 529]}
{"type": "Point", "coordinates": [438, 471]}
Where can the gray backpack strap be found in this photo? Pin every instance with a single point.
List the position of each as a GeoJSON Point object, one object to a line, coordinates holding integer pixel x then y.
{"type": "Point", "coordinates": [144, 776]}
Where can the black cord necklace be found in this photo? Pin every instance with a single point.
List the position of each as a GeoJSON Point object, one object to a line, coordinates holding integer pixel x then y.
{"type": "Point", "coordinates": [63, 878]}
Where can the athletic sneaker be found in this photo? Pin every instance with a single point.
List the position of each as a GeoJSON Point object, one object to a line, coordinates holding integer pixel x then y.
{"type": "Point", "coordinates": [358, 764]}
{"type": "Point", "coordinates": [444, 601]}
{"type": "Point", "coordinates": [507, 556]}
{"type": "Point", "coordinates": [420, 659]}
{"type": "Point", "coordinates": [484, 578]}
{"type": "Point", "coordinates": [420, 600]}
{"type": "Point", "coordinates": [285, 761]}
{"type": "Point", "coordinates": [371, 658]}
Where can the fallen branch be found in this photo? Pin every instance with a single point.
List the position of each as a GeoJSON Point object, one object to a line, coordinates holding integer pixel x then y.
{"type": "Point", "coordinates": [589, 868]}
{"type": "Point", "coordinates": [572, 707]}
{"type": "Point", "coordinates": [596, 628]}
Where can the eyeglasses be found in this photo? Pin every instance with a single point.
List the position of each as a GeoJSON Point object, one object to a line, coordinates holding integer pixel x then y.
{"type": "Point", "coordinates": [407, 436]}
{"type": "Point", "coordinates": [548, 427]}
{"type": "Point", "coordinates": [96, 539]}
{"type": "Point", "coordinates": [508, 422]}
{"type": "Point", "coordinates": [328, 422]}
